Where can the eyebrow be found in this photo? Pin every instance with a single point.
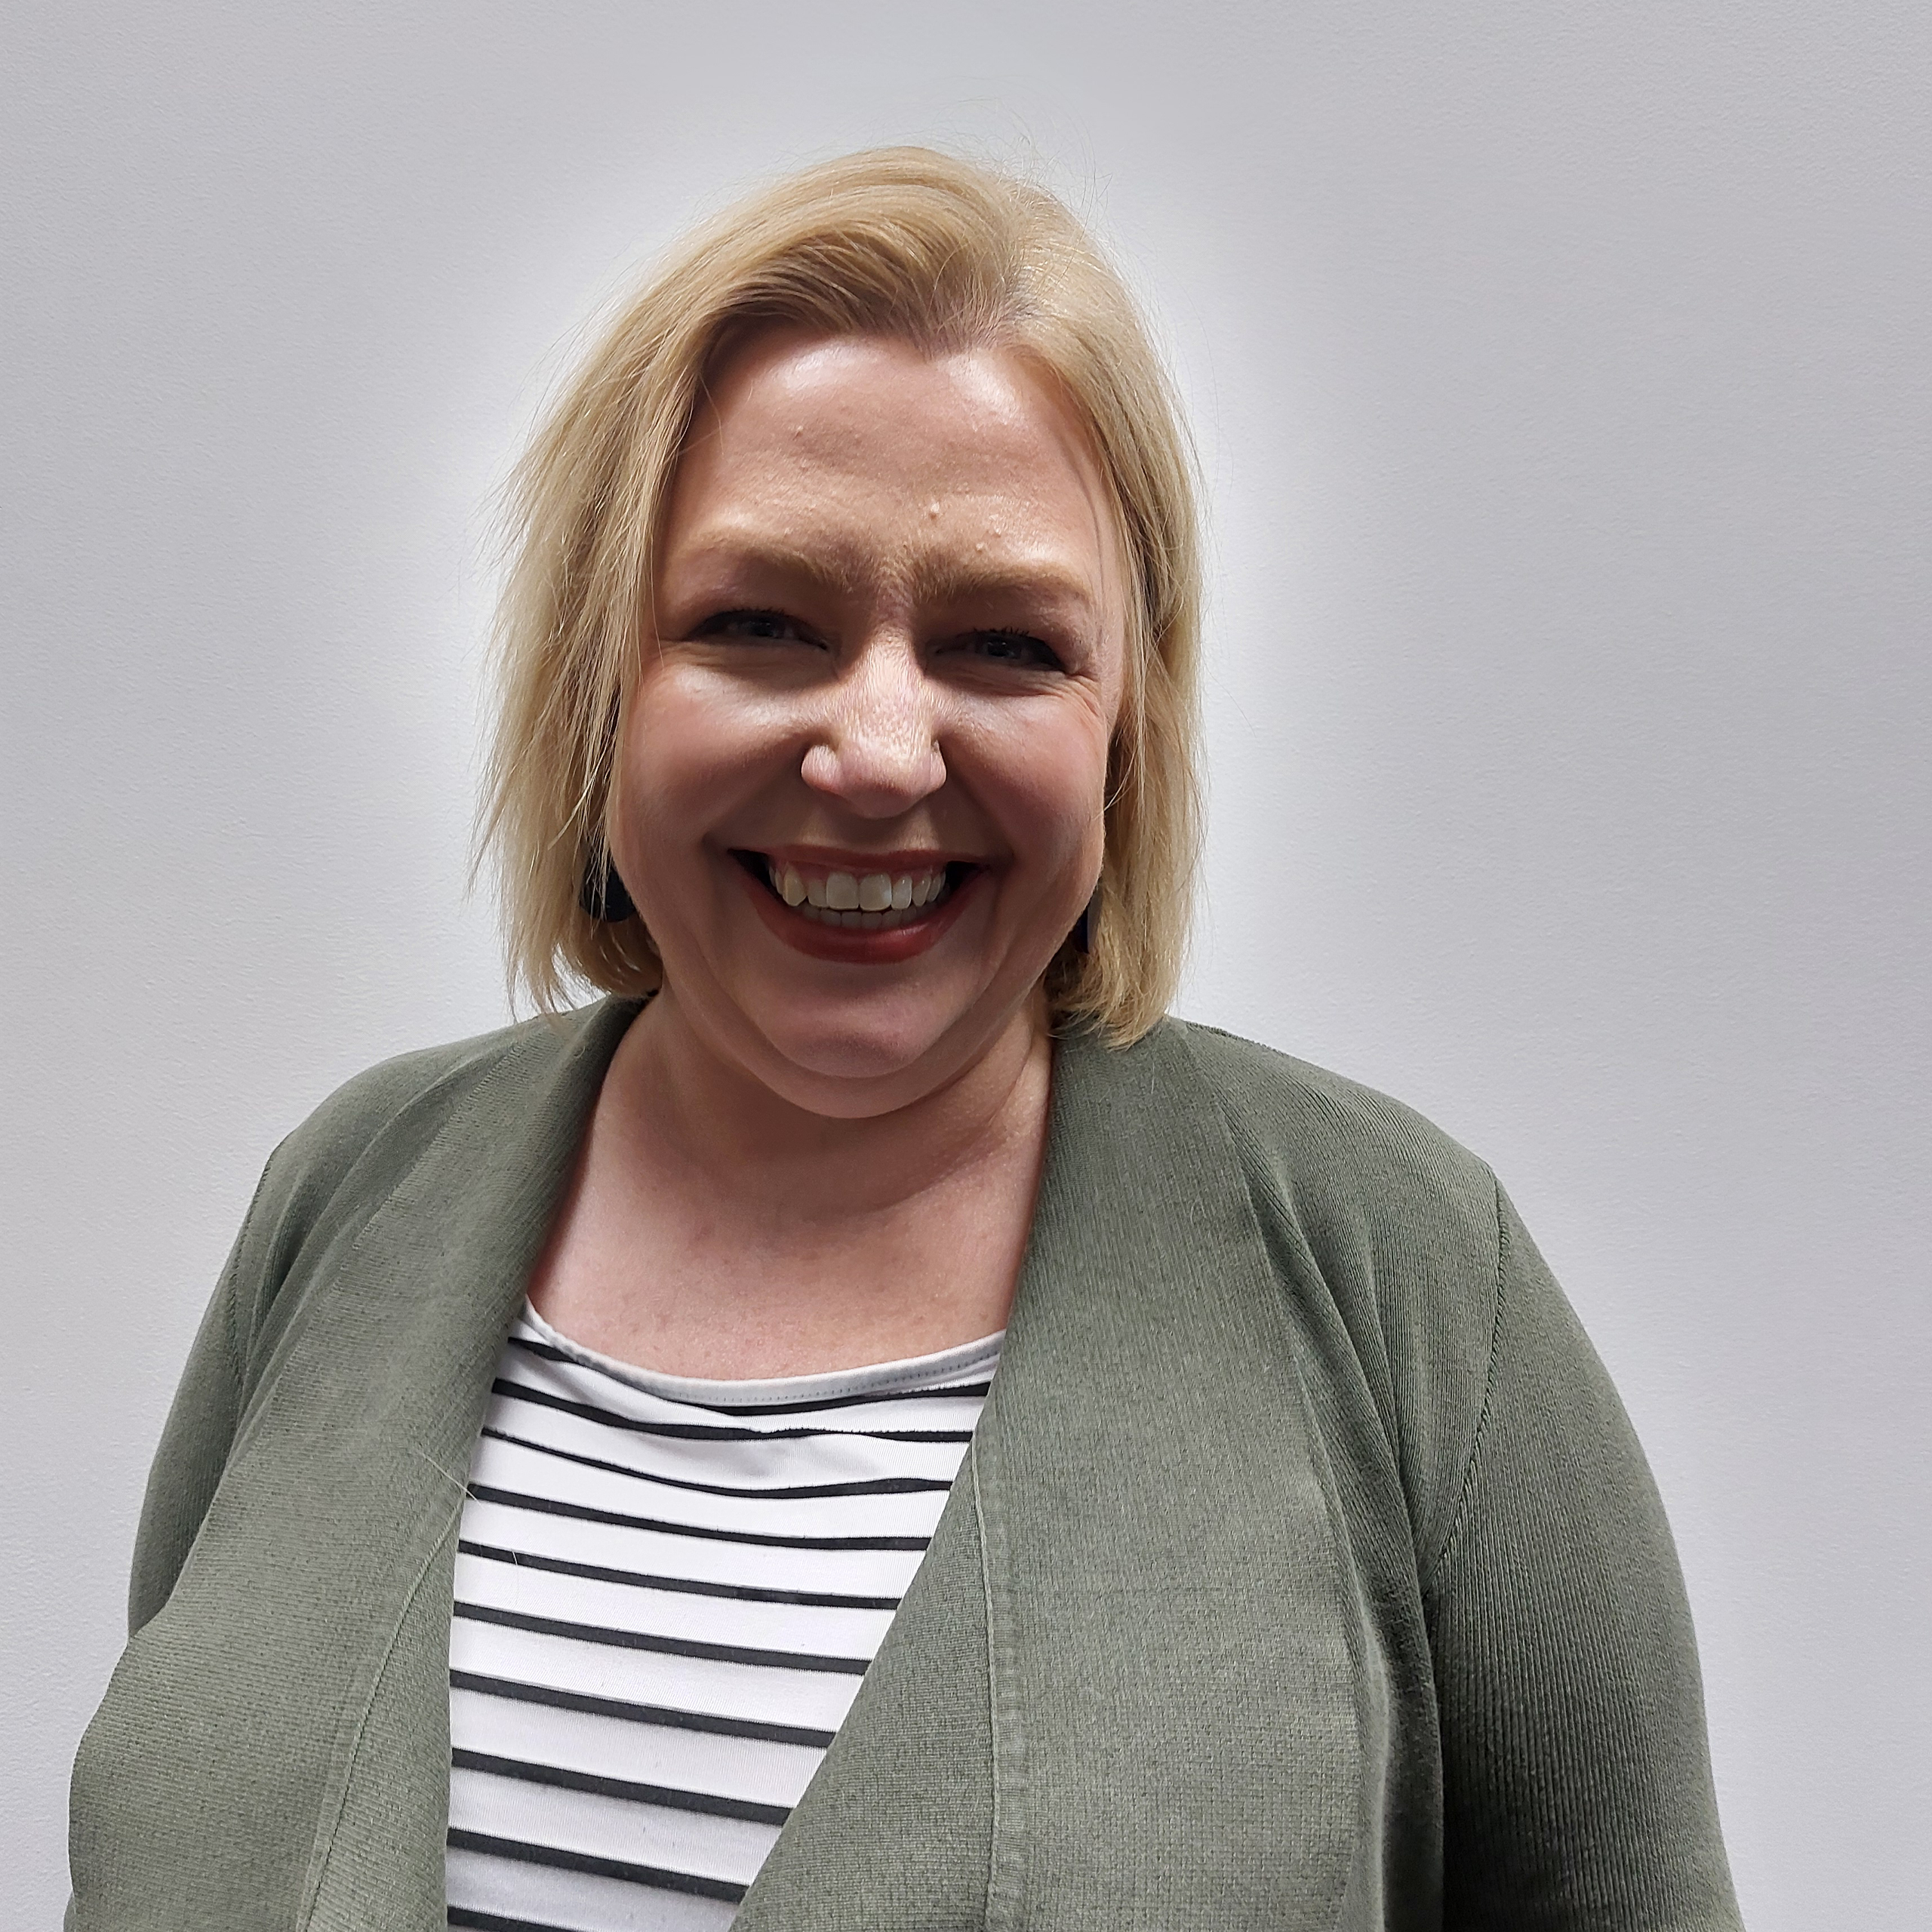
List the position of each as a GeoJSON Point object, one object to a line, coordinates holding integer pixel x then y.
{"type": "Point", "coordinates": [937, 579]}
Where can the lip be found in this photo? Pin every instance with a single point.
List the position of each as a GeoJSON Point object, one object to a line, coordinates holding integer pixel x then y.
{"type": "Point", "coordinates": [843, 945]}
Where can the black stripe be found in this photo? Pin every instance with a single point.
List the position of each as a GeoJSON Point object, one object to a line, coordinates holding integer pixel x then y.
{"type": "Point", "coordinates": [582, 1513]}
{"type": "Point", "coordinates": [663, 1715]}
{"type": "Point", "coordinates": [598, 1868]}
{"type": "Point", "coordinates": [692, 1431]}
{"type": "Point", "coordinates": [670, 1646]}
{"type": "Point", "coordinates": [670, 1797]}
{"type": "Point", "coordinates": [954, 1390]}
{"type": "Point", "coordinates": [551, 1353]}
{"type": "Point", "coordinates": [686, 1585]}
{"type": "Point", "coordinates": [491, 1921]}
{"type": "Point", "coordinates": [881, 1486]}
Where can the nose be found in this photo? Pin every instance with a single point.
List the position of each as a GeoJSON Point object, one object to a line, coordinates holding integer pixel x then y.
{"type": "Point", "coordinates": [877, 749]}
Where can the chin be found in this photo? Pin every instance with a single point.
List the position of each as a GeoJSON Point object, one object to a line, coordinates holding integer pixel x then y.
{"type": "Point", "coordinates": [851, 1059]}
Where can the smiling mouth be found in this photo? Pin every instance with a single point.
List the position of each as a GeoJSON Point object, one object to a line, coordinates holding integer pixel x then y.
{"type": "Point", "coordinates": [859, 902]}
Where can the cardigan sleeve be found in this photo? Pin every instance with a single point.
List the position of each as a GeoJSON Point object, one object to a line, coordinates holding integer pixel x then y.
{"type": "Point", "coordinates": [1577, 1790]}
{"type": "Point", "coordinates": [200, 1426]}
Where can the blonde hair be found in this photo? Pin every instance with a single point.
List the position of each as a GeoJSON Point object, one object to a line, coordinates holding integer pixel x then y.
{"type": "Point", "coordinates": [899, 242]}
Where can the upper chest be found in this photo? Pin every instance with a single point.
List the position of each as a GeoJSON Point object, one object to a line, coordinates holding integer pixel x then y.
{"type": "Point", "coordinates": [655, 1261]}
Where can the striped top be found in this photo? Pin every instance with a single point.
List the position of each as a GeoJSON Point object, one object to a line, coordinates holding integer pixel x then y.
{"type": "Point", "coordinates": [667, 1590]}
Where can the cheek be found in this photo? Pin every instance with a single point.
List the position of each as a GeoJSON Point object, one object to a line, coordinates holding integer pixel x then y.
{"type": "Point", "coordinates": [691, 744]}
{"type": "Point", "coordinates": [1044, 777]}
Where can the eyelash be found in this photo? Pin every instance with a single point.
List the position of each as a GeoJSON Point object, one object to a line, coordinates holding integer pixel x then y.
{"type": "Point", "coordinates": [1046, 657]}
{"type": "Point", "coordinates": [720, 624]}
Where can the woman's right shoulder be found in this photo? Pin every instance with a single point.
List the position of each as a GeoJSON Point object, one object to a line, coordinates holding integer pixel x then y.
{"type": "Point", "coordinates": [357, 1142]}
{"type": "Point", "coordinates": [430, 1080]}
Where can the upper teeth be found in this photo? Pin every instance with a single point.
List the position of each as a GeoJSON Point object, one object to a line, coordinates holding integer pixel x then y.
{"type": "Point", "coordinates": [867, 899]}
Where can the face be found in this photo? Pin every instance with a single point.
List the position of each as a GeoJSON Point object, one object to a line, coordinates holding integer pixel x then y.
{"type": "Point", "coordinates": [862, 774]}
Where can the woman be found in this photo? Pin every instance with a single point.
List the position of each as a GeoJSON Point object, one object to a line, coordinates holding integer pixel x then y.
{"type": "Point", "coordinates": [568, 1517]}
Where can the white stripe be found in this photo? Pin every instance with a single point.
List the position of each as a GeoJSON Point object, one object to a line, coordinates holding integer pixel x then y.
{"type": "Point", "coordinates": [639, 1834]}
{"type": "Point", "coordinates": [840, 1633]}
{"type": "Point", "coordinates": [752, 1769]}
{"type": "Point", "coordinates": [817, 1700]}
{"type": "Point", "coordinates": [889, 1417]}
{"type": "Point", "coordinates": [867, 1573]}
{"type": "Point", "coordinates": [840, 1451]}
{"type": "Point", "coordinates": [575, 1899]}
{"type": "Point", "coordinates": [530, 1472]}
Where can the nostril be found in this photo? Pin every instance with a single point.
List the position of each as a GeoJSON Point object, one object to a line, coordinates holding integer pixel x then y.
{"type": "Point", "coordinates": [876, 778]}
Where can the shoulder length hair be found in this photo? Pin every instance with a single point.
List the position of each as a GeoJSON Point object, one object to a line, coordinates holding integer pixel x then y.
{"type": "Point", "coordinates": [899, 242]}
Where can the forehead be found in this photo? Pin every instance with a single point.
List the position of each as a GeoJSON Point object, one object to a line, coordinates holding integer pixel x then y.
{"type": "Point", "coordinates": [872, 446]}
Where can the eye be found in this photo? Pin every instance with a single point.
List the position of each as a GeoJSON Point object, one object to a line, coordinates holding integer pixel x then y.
{"type": "Point", "coordinates": [753, 627]}
{"type": "Point", "coordinates": [1018, 648]}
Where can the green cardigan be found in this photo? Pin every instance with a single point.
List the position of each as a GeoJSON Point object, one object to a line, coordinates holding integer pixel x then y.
{"type": "Point", "coordinates": [1304, 1571]}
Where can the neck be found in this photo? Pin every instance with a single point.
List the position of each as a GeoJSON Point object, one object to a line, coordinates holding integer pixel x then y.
{"type": "Point", "coordinates": [688, 1108]}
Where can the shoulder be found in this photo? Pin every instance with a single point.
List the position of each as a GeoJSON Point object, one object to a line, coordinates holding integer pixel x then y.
{"type": "Point", "coordinates": [354, 1149]}
{"type": "Point", "coordinates": [1387, 1239]}
{"type": "Point", "coordinates": [1321, 1138]}
{"type": "Point", "coordinates": [429, 1085]}
{"type": "Point", "coordinates": [413, 1093]}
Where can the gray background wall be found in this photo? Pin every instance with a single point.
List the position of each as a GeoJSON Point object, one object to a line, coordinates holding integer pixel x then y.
{"type": "Point", "coordinates": [1560, 375]}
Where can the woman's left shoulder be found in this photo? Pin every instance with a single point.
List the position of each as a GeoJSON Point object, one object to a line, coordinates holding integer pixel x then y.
{"type": "Point", "coordinates": [1322, 1140]}
{"type": "Point", "coordinates": [1394, 1249]}
{"type": "Point", "coordinates": [1374, 1217]}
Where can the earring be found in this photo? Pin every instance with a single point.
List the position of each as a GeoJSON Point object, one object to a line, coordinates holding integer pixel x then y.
{"type": "Point", "coordinates": [602, 894]}
{"type": "Point", "coordinates": [1082, 935]}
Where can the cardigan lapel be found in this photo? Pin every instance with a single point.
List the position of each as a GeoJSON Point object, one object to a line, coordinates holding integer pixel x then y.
{"type": "Point", "coordinates": [409, 1333]}
{"type": "Point", "coordinates": [1120, 1691]}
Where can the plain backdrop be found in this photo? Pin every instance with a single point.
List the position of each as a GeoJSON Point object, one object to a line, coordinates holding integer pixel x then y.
{"type": "Point", "coordinates": [1560, 374]}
